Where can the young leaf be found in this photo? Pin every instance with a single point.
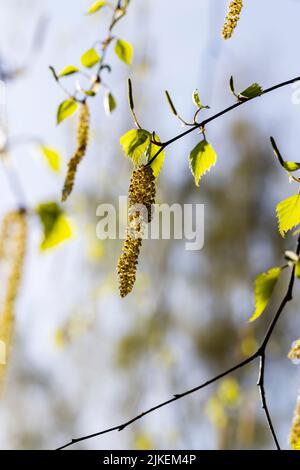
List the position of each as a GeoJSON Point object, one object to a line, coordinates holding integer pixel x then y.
{"type": "Point", "coordinates": [135, 144]}
{"type": "Point", "coordinates": [69, 70]}
{"type": "Point", "coordinates": [264, 286]}
{"type": "Point", "coordinates": [288, 213]}
{"type": "Point", "coordinates": [157, 164]}
{"type": "Point", "coordinates": [109, 103]}
{"type": "Point", "coordinates": [124, 51]}
{"type": "Point", "coordinates": [56, 227]}
{"type": "Point", "coordinates": [90, 58]}
{"type": "Point", "coordinates": [96, 7]}
{"type": "Point", "coordinates": [202, 158]}
{"type": "Point", "coordinates": [291, 166]}
{"type": "Point", "coordinates": [197, 101]}
{"type": "Point", "coordinates": [297, 270]}
{"type": "Point", "coordinates": [52, 157]}
{"type": "Point", "coordinates": [66, 109]}
{"type": "Point", "coordinates": [252, 91]}
{"type": "Point", "coordinates": [288, 166]}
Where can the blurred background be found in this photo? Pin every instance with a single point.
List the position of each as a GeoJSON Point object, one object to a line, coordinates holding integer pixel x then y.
{"type": "Point", "coordinates": [83, 359]}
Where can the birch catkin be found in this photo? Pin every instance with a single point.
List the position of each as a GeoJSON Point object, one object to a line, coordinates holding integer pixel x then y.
{"type": "Point", "coordinates": [82, 142]}
{"type": "Point", "coordinates": [141, 197]}
{"type": "Point", "coordinates": [295, 431]}
{"type": "Point", "coordinates": [294, 353]}
{"type": "Point", "coordinates": [12, 252]}
{"type": "Point", "coordinates": [232, 18]}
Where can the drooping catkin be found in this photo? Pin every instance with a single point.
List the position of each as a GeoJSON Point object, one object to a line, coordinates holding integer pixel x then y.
{"type": "Point", "coordinates": [13, 245]}
{"type": "Point", "coordinates": [295, 430]}
{"type": "Point", "coordinates": [232, 18]}
{"type": "Point", "coordinates": [294, 353]}
{"type": "Point", "coordinates": [82, 142]}
{"type": "Point", "coordinates": [141, 197]}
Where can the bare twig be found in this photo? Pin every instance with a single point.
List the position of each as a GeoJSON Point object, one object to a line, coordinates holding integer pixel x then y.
{"type": "Point", "coordinates": [260, 353]}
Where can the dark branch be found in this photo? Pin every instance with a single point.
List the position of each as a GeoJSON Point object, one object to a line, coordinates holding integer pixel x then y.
{"type": "Point", "coordinates": [260, 353]}
{"type": "Point", "coordinates": [202, 124]}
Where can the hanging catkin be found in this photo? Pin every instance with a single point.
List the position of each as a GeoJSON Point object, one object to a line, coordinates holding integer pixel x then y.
{"type": "Point", "coordinates": [12, 252]}
{"type": "Point", "coordinates": [82, 142]}
{"type": "Point", "coordinates": [294, 353]}
{"type": "Point", "coordinates": [232, 18]}
{"type": "Point", "coordinates": [295, 431]}
{"type": "Point", "coordinates": [141, 196]}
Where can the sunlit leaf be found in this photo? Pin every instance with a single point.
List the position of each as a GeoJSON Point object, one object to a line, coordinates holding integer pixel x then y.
{"type": "Point", "coordinates": [135, 144]}
{"type": "Point", "coordinates": [252, 91]}
{"type": "Point", "coordinates": [288, 213]}
{"type": "Point", "coordinates": [157, 164]}
{"type": "Point", "coordinates": [96, 7]}
{"type": "Point", "coordinates": [197, 101]}
{"type": "Point", "coordinates": [202, 158]}
{"type": "Point", "coordinates": [109, 103]}
{"type": "Point", "coordinates": [56, 226]}
{"type": "Point", "coordinates": [297, 270]}
{"type": "Point", "coordinates": [291, 166]}
{"type": "Point", "coordinates": [69, 70]}
{"type": "Point", "coordinates": [66, 109]}
{"type": "Point", "coordinates": [52, 157]}
{"type": "Point", "coordinates": [90, 58]}
{"type": "Point", "coordinates": [124, 51]}
{"type": "Point", "coordinates": [264, 286]}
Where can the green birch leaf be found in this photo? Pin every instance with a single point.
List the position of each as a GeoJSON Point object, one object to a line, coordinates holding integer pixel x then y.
{"type": "Point", "coordinates": [135, 144]}
{"type": "Point", "coordinates": [66, 109]}
{"type": "Point", "coordinates": [297, 270]}
{"type": "Point", "coordinates": [52, 157]}
{"type": "Point", "coordinates": [56, 226]}
{"type": "Point", "coordinates": [109, 103]}
{"type": "Point", "coordinates": [252, 91]}
{"type": "Point", "coordinates": [202, 158]}
{"type": "Point", "coordinates": [95, 7]}
{"type": "Point", "coordinates": [197, 101]}
{"type": "Point", "coordinates": [69, 70]}
{"type": "Point", "coordinates": [90, 58]}
{"type": "Point", "coordinates": [291, 166]}
{"type": "Point", "coordinates": [124, 51]}
{"type": "Point", "coordinates": [264, 286]}
{"type": "Point", "coordinates": [288, 213]}
{"type": "Point", "coordinates": [157, 164]}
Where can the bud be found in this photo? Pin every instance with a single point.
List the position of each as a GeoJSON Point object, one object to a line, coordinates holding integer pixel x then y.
{"type": "Point", "coordinates": [141, 197]}
{"type": "Point", "coordinates": [82, 142]}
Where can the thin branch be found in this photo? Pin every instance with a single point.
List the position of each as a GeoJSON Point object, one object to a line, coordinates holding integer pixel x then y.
{"type": "Point", "coordinates": [216, 116]}
{"type": "Point", "coordinates": [261, 385]}
{"type": "Point", "coordinates": [260, 353]}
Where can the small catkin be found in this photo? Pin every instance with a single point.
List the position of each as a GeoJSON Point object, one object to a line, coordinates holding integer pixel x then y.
{"type": "Point", "coordinates": [232, 18]}
{"type": "Point", "coordinates": [82, 142]}
{"type": "Point", "coordinates": [13, 245]}
{"type": "Point", "coordinates": [141, 197]}
{"type": "Point", "coordinates": [294, 353]}
{"type": "Point", "coordinates": [295, 431]}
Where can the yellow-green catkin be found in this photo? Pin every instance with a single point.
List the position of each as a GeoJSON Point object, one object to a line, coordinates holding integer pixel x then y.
{"type": "Point", "coordinates": [82, 142]}
{"type": "Point", "coordinates": [232, 18]}
{"type": "Point", "coordinates": [141, 197]}
{"type": "Point", "coordinates": [295, 431]}
{"type": "Point", "coordinates": [294, 353]}
{"type": "Point", "coordinates": [13, 245]}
